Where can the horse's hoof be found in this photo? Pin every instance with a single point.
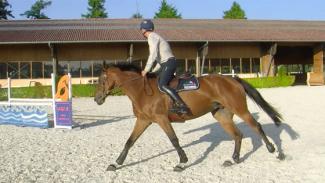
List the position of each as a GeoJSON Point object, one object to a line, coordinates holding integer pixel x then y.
{"type": "Point", "coordinates": [111, 167]}
{"type": "Point", "coordinates": [179, 168]}
{"type": "Point", "coordinates": [281, 156]}
{"type": "Point", "coordinates": [235, 157]}
{"type": "Point", "coordinates": [227, 163]}
{"type": "Point", "coordinates": [270, 148]}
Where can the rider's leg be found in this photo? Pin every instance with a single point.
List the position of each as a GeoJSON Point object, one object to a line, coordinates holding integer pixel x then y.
{"type": "Point", "coordinates": [166, 75]}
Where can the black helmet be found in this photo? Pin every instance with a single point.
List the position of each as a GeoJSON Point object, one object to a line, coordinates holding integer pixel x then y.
{"type": "Point", "coordinates": [147, 25]}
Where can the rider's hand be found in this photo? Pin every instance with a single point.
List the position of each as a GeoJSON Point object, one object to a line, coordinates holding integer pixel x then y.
{"type": "Point", "coordinates": [144, 73]}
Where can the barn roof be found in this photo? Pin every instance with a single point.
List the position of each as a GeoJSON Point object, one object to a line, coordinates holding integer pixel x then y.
{"type": "Point", "coordinates": [175, 30]}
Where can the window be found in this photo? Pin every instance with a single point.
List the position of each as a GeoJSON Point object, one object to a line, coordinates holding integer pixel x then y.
{"type": "Point", "coordinates": [235, 63]}
{"type": "Point", "coordinates": [225, 66]}
{"type": "Point", "coordinates": [13, 70]}
{"type": "Point", "coordinates": [246, 65]}
{"type": "Point", "coordinates": [48, 69]}
{"type": "Point", "coordinates": [138, 63]}
{"type": "Point", "coordinates": [180, 69]}
{"type": "Point", "coordinates": [97, 68]}
{"type": "Point", "coordinates": [215, 66]}
{"type": "Point", "coordinates": [205, 66]}
{"type": "Point", "coordinates": [63, 68]}
{"type": "Point", "coordinates": [294, 69]}
{"type": "Point", "coordinates": [25, 70]}
{"type": "Point", "coordinates": [191, 66]}
{"type": "Point", "coordinates": [309, 67]}
{"type": "Point", "coordinates": [74, 69]}
{"type": "Point", "coordinates": [255, 65]}
{"type": "Point", "coordinates": [86, 69]}
{"type": "Point", "coordinates": [3, 70]}
{"type": "Point", "coordinates": [37, 70]}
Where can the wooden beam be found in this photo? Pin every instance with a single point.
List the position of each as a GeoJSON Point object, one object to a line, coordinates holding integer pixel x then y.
{"type": "Point", "coordinates": [54, 57]}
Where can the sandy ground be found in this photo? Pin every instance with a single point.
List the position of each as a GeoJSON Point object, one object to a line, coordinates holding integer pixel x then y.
{"type": "Point", "coordinates": [83, 154]}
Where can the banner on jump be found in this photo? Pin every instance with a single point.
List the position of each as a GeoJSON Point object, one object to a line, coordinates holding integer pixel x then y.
{"type": "Point", "coordinates": [63, 114]}
{"type": "Point", "coordinates": [34, 116]}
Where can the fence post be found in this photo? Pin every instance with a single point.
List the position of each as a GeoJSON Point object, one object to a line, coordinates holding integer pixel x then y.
{"type": "Point", "coordinates": [70, 86]}
{"type": "Point", "coordinates": [53, 98]}
{"type": "Point", "coordinates": [9, 90]}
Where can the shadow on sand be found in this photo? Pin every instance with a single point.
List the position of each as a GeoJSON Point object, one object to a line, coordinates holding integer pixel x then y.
{"type": "Point", "coordinates": [100, 120]}
{"type": "Point", "coordinates": [216, 135]}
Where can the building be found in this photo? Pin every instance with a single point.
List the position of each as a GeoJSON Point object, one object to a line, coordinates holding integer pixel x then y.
{"type": "Point", "coordinates": [32, 49]}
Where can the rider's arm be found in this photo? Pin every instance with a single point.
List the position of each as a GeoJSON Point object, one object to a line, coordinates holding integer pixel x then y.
{"type": "Point", "coordinates": [156, 68]}
{"type": "Point", "coordinates": [153, 50]}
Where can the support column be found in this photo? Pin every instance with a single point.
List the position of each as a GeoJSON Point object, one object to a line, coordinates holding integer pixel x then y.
{"type": "Point", "coordinates": [203, 51]}
{"type": "Point", "coordinates": [318, 58]}
{"type": "Point", "coordinates": [267, 63]}
{"type": "Point", "coordinates": [130, 53]}
{"type": "Point", "coordinates": [197, 65]}
{"type": "Point", "coordinates": [54, 57]}
{"type": "Point", "coordinates": [316, 77]}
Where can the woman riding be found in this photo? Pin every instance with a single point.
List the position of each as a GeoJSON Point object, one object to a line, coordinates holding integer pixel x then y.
{"type": "Point", "coordinates": [161, 54]}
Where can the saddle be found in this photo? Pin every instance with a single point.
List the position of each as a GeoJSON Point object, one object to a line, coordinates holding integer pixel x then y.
{"type": "Point", "coordinates": [184, 82]}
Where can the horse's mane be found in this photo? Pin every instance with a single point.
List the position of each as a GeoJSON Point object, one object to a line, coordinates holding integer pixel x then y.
{"type": "Point", "coordinates": [130, 67]}
{"type": "Point", "coordinates": [126, 67]}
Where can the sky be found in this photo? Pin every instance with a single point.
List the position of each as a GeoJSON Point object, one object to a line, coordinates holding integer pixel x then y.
{"type": "Point", "coordinates": [190, 9]}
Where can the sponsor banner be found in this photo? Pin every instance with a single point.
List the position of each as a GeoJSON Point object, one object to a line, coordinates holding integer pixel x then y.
{"type": "Point", "coordinates": [63, 114]}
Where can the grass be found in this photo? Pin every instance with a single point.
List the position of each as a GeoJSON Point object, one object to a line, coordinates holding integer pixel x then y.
{"type": "Point", "coordinates": [269, 82]}
{"type": "Point", "coordinates": [89, 90]}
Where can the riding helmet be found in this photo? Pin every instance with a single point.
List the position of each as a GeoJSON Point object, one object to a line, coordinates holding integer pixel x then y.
{"type": "Point", "coordinates": [147, 25]}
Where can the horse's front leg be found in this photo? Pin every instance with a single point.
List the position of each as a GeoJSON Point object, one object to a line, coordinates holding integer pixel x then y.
{"type": "Point", "coordinates": [165, 124]}
{"type": "Point", "coordinates": [139, 128]}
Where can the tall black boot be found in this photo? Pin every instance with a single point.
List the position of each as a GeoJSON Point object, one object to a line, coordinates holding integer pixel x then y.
{"type": "Point", "coordinates": [179, 105]}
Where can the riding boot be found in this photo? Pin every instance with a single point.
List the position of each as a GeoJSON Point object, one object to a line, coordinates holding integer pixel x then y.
{"type": "Point", "coordinates": [179, 105]}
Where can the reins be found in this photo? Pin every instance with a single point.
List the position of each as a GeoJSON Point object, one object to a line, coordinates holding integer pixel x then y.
{"type": "Point", "coordinates": [145, 83]}
{"type": "Point", "coordinates": [133, 79]}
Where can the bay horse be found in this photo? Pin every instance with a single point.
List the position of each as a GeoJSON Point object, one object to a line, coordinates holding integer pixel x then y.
{"type": "Point", "coordinates": [223, 96]}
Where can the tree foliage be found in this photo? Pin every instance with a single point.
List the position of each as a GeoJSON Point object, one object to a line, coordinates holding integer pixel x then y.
{"type": "Point", "coordinates": [167, 11]}
{"type": "Point", "coordinates": [235, 12]}
{"type": "Point", "coordinates": [36, 10]}
{"type": "Point", "coordinates": [4, 12]}
{"type": "Point", "coordinates": [96, 9]}
{"type": "Point", "coordinates": [137, 15]}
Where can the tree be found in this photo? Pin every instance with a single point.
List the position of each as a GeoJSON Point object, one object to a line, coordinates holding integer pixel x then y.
{"type": "Point", "coordinates": [4, 12]}
{"type": "Point", "coordinates": [36, 10]}
{"type": "Point", "coordinates": [137, 15]}
{"type": "Point", "coordinates": [235, 12]}
{"type": "Point", "coordinates": [167, 11]}
{"type": "Point", "coordinates": [96, 9]}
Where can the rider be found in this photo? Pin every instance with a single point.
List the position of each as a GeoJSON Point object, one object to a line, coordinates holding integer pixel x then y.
{"type": "Point", "coordinates": [161, 53]}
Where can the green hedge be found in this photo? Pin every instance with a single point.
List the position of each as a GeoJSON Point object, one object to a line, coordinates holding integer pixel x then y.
{"type": "Point", "coordinates": [268, 82]}
{"type": "Point", "coordinates": [89, 90]}
{"type": "Point", "coordinates": [45, 92]}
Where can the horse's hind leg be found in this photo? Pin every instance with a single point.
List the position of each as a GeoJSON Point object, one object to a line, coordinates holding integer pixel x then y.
{"type": "Point", "coordinates": [225, 117]}
{"type": "Point", "coordinates": [256, 126]}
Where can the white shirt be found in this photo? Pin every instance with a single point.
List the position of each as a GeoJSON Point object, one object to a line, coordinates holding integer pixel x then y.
{"type": "Point", "coordinates": [159, 51]}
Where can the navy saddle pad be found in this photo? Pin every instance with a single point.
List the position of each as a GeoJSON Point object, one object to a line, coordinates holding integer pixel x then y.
{"type": "Point", "coordinates": [184, 83]}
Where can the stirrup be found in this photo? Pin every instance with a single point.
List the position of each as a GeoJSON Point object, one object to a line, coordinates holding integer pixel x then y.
{"type": "Point", "coordinates": [180, 109]}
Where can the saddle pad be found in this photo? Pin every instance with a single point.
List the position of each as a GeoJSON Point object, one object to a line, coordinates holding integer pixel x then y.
{"type": "Point", "coordinates": [186, 84]}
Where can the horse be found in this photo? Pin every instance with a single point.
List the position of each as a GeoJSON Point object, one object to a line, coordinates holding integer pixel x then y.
{"type": "Point", "coordinates": [223, 96]}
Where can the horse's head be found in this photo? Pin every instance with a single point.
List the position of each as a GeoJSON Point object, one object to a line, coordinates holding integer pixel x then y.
{"type": "Point", "coordinates": [104, 86]}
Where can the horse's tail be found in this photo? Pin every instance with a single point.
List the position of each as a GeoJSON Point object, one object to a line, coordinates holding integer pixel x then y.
{"type": "Point", "coordinates": [259, 100]}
